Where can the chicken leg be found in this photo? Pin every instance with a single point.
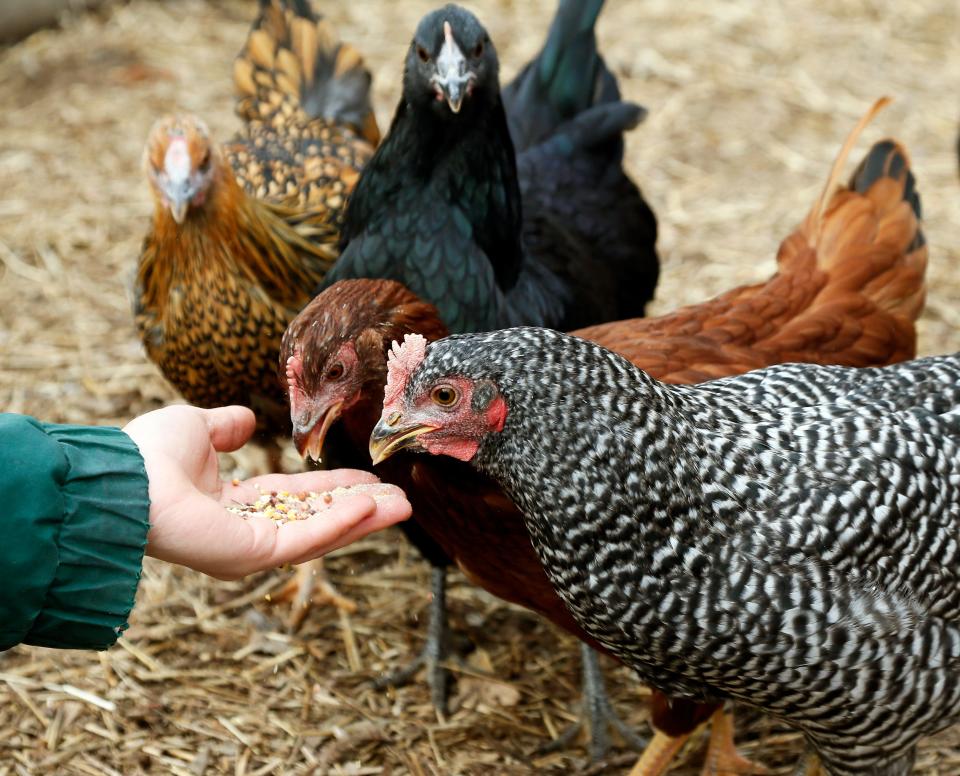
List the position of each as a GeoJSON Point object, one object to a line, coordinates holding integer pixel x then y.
{"type": "Point", "coordinates": [722, 758]}
{"type": "Point", "coordinates": [436, 648]}
{"type": "Point", "coordinates": [307, 587]}
{"type": "Point", "coordinates": [809, 765]}
{"type": "Point", "coordinates": [597, 714]}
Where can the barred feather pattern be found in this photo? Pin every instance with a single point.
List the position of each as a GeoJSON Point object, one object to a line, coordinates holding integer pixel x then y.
{"type": "Point", "coordinates": [787, 538]}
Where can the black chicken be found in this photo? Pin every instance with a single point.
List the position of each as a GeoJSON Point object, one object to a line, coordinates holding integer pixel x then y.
{"type": "Point", "coordinates": [786, 539]}
{"type": "Point", "coordinates": [559, 236]}
{"type": "Point", "coordinates": [554, 236]}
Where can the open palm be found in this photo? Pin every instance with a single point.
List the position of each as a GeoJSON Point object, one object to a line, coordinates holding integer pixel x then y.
{"type": "Point", "coordinates": [189, 522]}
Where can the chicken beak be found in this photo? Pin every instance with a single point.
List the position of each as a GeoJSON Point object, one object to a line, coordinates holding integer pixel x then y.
{"type": "Point", "coordinates": [178, 209]}
{"type": "Point", "coordinates": [177, 180]}
{"type": "Point", "coordinates": [452, 78]}
{"type": "Point", "coordinates": [309, 439]}
{"type": "Point", "coordinates": [454, 96]}
{"type": "Point", "coordinates": [390, 436]}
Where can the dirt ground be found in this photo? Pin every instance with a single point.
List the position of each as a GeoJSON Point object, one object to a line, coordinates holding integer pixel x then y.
{"type": "Point", "coordinates": [749, 102]}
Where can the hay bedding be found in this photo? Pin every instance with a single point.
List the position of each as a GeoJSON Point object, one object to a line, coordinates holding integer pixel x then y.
{"type": "Point", "coordinates": [749, 102]}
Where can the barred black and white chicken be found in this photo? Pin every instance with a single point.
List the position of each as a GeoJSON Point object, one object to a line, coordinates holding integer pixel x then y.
{"type": "Point", "coordinates": [787, 538]}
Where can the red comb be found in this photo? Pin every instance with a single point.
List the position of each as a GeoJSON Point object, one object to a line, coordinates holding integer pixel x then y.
{"type": "Point", "coordinates": [294, 375]}
{"type": "Point", "coordinates": [401, 361]}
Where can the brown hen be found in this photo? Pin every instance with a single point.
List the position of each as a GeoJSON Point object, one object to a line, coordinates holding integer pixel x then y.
{"type": "Point", "coordinates": [242, 234]}
{"type": "Point", "coordinates": [849, 287]}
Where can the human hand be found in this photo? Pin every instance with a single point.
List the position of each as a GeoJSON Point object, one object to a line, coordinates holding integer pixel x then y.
{"type": "Point", "coordinates": [189, 522]}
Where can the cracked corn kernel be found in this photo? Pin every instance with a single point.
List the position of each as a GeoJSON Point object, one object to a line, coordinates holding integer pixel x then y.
{"type": "Point", "coordinates": [283, 507]}
{"type": "Point", "coordinates": [280, 506]}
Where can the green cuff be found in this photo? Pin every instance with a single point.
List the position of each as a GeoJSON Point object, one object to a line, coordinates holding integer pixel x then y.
{"type": "Point", "coordinates": [101, 542]}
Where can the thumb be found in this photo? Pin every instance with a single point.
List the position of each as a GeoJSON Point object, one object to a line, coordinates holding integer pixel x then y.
{"type": "Point", "coordinates": [230, 427]}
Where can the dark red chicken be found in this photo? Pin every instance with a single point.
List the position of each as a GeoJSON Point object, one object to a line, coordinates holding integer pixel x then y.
{"type": "Point", "coordinates": [500, 207]}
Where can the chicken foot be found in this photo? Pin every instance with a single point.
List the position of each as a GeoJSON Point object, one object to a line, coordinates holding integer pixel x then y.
{"type": "Point", "coordinates": [722, 758]}
{"type": "Point", "coordinates": [310, 586]}
{"type": "Point", "coordinates": [809, 765]}
{"type": "Point", "coordinates": [597, 715]}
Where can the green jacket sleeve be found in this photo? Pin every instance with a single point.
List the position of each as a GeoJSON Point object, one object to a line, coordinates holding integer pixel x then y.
{"type": "Point", "coordinates": [74, 515]}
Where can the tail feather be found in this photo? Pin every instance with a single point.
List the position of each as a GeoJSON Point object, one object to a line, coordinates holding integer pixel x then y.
{"type": "Point", "coordinates": [849, 290]}
{"type": "Point", "coordinates": [593, 127]}
{"type": "Point", "coordinates": [885, 177]}
{"type": "Point", "coordinates": [565, 78]}
{"type": "Point", "coordinates": [868, 240]}
{"type": "Point", "coordinates": [294, 60]}
{"type": "Point", "coordinates": [837, 170]}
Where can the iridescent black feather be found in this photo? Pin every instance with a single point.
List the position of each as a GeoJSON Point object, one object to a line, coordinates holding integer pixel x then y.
{"type": "Point", "coordinates": [557, 236]}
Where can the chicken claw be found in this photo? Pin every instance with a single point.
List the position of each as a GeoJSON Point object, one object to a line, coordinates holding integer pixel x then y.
{"type": "Point", "coordinates": [722, 758]}
{"type": "Point", "coordinates": [597, 716]}
{"type": "Point", "coordinates": [310, 586]}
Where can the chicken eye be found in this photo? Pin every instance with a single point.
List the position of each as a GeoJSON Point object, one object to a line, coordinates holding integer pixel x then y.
{"type": "Point", "coordinates": [423, 54]}
{"type": "Point", "coordinates": [478, 50]}
{"type": "Point", "coordinates": [205, 162]}
{"type": "Point", "coordinates": [444, 395]}
{"type": "Point", "coordinates": [335, 372]}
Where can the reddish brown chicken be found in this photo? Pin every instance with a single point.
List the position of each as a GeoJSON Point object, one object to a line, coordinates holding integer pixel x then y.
{"type": "Point", "coordinates": [849, 287]}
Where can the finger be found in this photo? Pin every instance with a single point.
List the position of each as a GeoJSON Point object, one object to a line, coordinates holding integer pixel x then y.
{"type": "Point", "coordinates": [230, 427]}
{"type": "Point", "coordinates": [319, 482]}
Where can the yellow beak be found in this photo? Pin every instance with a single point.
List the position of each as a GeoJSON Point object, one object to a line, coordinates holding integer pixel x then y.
{"type": "Point", "coordinates": [388, 438]}
{"type": "Point", "coordinates": [178, 209]}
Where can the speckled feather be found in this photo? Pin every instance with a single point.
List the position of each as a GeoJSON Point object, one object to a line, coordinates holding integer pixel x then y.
{"type": "Point", "coordinates": [308, 123]}
{"type": "Point", "coordinates": [798, 558]}
{"type": "Point", "coordinates": [855, 300]}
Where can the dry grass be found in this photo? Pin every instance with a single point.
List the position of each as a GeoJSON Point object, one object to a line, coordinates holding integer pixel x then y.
{"type": "Point", "coordinates": [749, 102]}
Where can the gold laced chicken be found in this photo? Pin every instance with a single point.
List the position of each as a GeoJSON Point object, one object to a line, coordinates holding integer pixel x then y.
{"type": "Point", "coordinates": [243, 232]}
